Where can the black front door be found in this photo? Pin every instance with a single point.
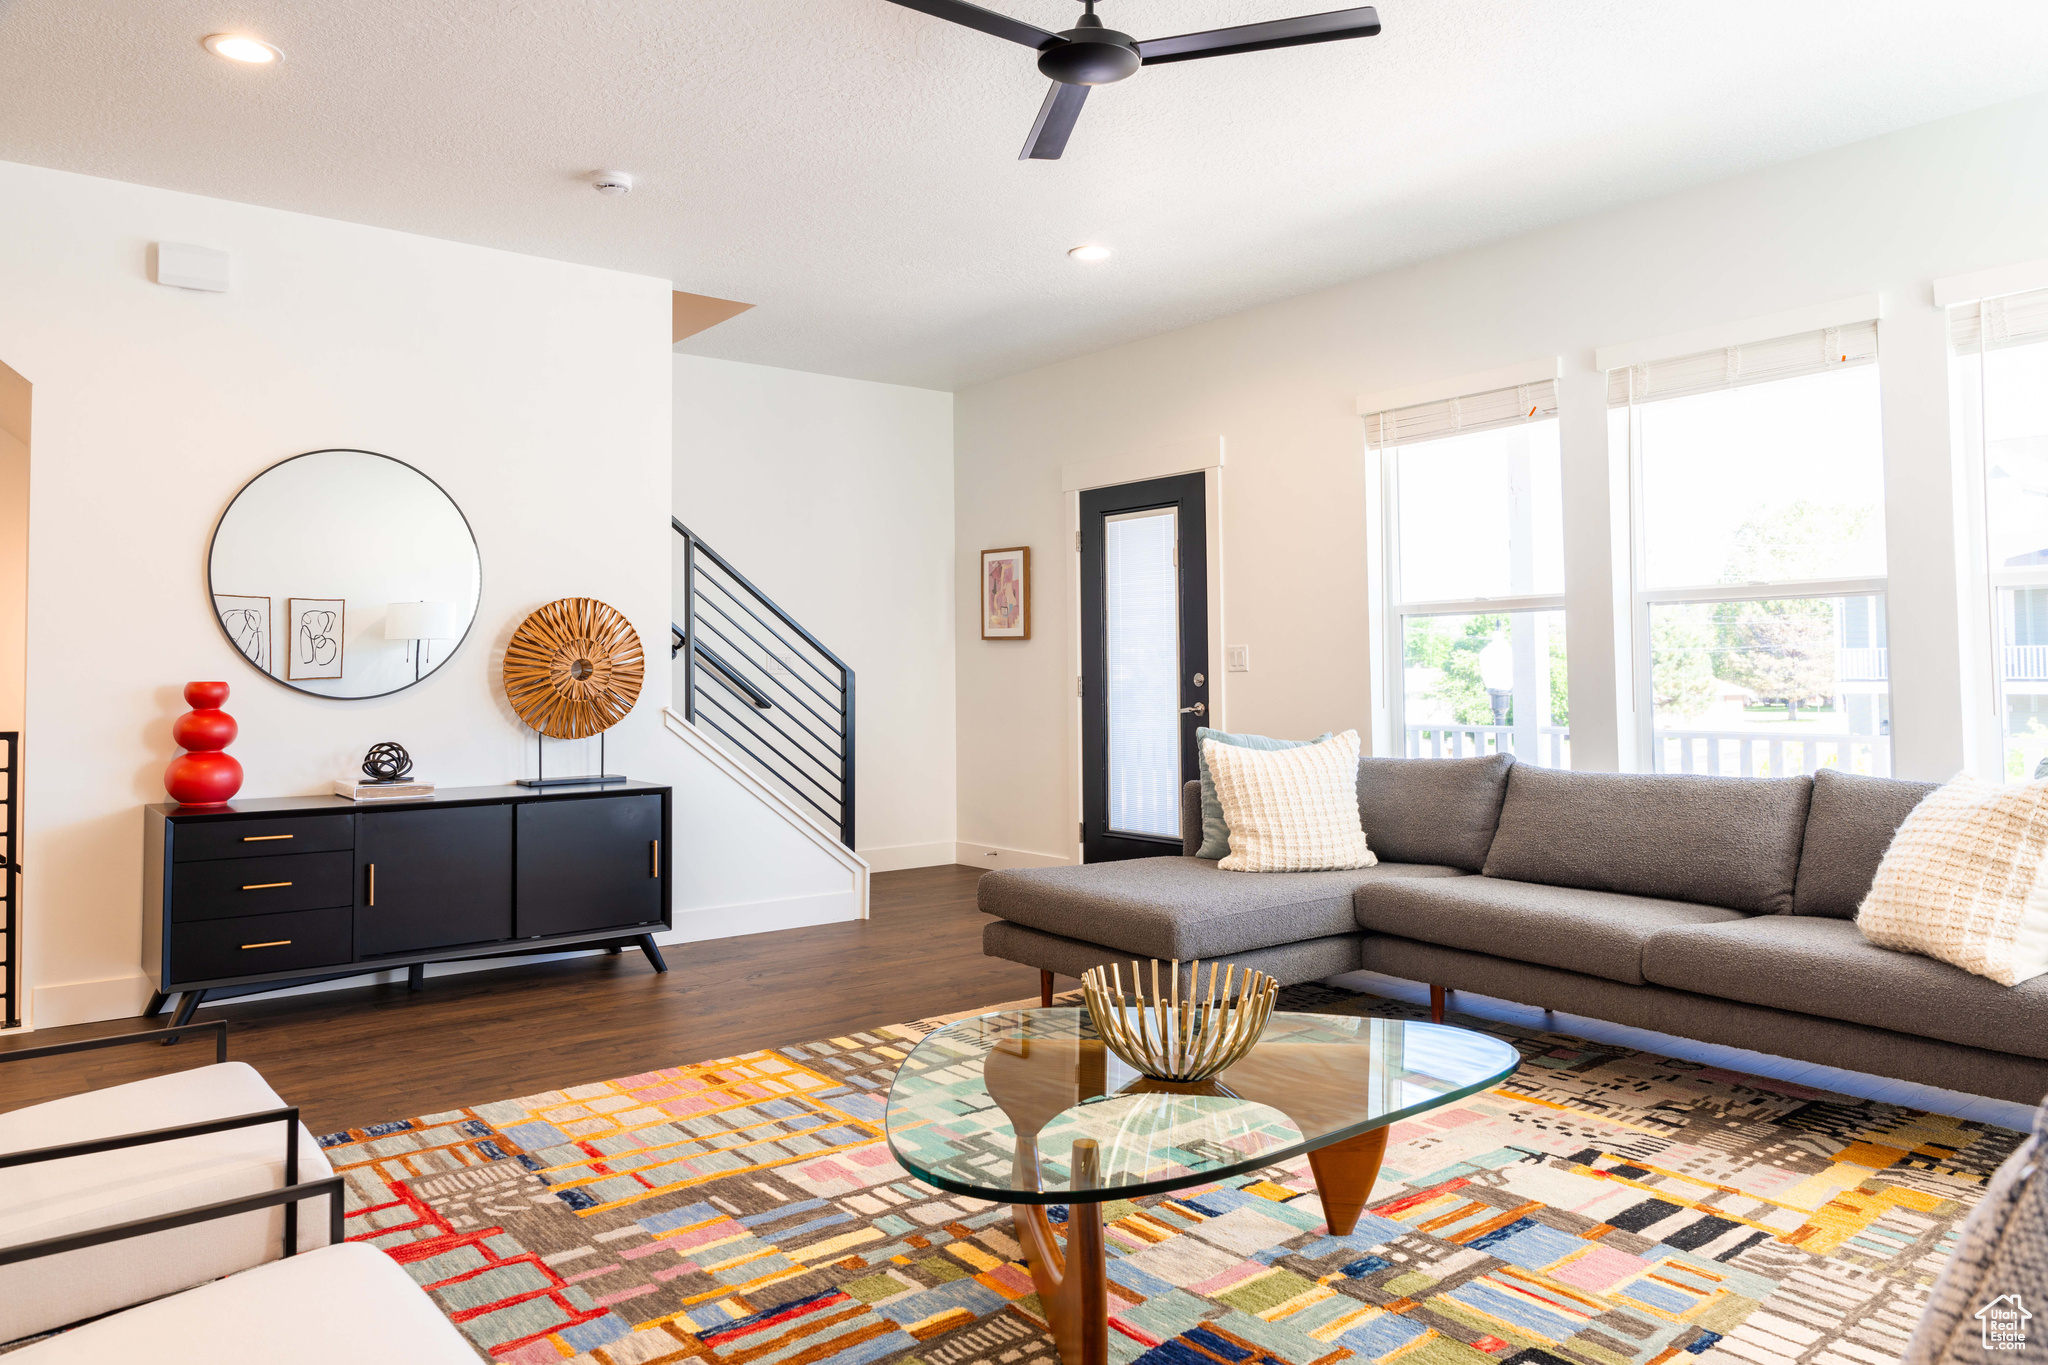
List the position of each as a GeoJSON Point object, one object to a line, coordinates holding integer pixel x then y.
{"type": "Point", "coordinates": [1144, 662]}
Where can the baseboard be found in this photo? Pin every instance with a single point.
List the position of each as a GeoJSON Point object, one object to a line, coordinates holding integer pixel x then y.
{"type": "Point", "coordinates": [87, 1002]}
{"type": "Point", "coordinates": [762, 917]}
{"type": "Point", "coordinates": [898, 857]}
{"type": "Point", "coordinates": [990, 856]}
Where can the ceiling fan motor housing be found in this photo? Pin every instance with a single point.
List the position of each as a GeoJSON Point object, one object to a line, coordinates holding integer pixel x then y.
{"type": "Point", "coordinates": [1091, 55]}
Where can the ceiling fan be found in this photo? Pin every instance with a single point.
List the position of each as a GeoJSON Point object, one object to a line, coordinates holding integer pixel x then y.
{"type": "Point", "coordinates": [1091, 54]}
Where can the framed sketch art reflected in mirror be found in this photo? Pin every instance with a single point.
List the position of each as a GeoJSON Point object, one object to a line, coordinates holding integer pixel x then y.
{"type": "Point", "coordinates": [344, 573]}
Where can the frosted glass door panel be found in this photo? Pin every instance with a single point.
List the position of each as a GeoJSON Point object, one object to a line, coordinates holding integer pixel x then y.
{"type": "Point", "coordinates": [1141, 593]}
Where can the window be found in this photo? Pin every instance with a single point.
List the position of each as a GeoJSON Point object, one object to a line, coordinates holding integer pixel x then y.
{"type": "Point", "coordinates": [1141, 628]}
{"type": "Point", "coordinates": [2001, 393]}
{"type": "Point", "coordinates": [1475, 574]}
{"type": "Point", "coordinates": [1758, 478]}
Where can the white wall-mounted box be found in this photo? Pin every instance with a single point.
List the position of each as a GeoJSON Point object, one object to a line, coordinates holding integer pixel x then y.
{"type": "Point", "coordinates": [191, 267]}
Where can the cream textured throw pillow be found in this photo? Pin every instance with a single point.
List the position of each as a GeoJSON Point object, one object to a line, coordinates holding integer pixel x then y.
{"type": "Point", "coordinates": [1962, 881]}
{"type": "Point", "coordinates": [1290, 810]}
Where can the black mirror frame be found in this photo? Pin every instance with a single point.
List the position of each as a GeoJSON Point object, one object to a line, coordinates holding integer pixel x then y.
{"type": "Point", "coordinates": [251, 482]}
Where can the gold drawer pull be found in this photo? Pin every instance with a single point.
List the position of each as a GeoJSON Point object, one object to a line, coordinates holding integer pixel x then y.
{"type": "Point", "coordinates": [263, 838]}
{"type": "Point", "coordinates": [265, 886]}
{"type": "Point", "coordinates": [654, 857]}
{"type": "Point", "coordinates": [274, 943]}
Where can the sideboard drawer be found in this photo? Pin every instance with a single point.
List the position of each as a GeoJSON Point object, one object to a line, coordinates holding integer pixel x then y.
{"type": "Point", "coordinates": [255, 944]}
{"type": "Point", "coordinates": [228, 887]}
{"type": "Point", "coordinates": [264, 838]}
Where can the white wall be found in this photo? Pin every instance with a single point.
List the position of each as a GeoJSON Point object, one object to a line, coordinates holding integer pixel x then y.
{"type": "Point", "coordinates": [835, 497]}
{"type": "Point", "coordinates": [1278, 384]}
{"type": "Point", "coordinates": [536, 393]}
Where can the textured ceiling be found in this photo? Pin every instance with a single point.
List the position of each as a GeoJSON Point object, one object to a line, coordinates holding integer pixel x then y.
{"type": "Point", "coordinates": [850, 165]}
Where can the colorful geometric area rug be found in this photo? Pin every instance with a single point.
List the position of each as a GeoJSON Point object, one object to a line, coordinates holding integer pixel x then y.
{"type": "Point", "coordinates": [1601, 1207]}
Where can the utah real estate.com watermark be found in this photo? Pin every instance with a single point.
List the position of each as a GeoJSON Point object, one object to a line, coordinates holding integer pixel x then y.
{"type": "Point", "coordinates": [2004, 1320]}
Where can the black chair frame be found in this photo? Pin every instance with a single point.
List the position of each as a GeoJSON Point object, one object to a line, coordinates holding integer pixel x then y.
{"type": "Point", "coordinates": [290, 1195]}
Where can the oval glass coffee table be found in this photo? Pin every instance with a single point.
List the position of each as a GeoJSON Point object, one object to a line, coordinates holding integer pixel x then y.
{"type": "Point", "coordinates": [1028, 1108]}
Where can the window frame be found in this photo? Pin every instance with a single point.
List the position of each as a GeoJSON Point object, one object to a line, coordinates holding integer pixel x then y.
{"type": "Point", "coordinates": [1399, 609]}
{"type": "Point", "coordinates": [1970, 435]}
{"type": "Point", "coordinates": [1642, 599]}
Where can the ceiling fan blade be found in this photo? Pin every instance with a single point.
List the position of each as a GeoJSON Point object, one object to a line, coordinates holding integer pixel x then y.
{"type": "Point", "coordinates": [1362, 22]}
{"type": "Point", "coordinates": [1055, 122]}
{"type": "Point", "coordinates": [985, 20]}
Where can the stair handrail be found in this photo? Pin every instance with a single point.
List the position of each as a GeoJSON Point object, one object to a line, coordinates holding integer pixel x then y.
{"type": "Point", "coordinates": [684, 640]}
{"type": "Point", "coordinates": [763, 598]}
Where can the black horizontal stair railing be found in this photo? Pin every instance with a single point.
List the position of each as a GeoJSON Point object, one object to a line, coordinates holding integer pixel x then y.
{"type": "Point", "coordinates": [778, 698]}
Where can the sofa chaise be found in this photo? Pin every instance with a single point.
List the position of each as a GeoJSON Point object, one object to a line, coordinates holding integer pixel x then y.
{"type": "Point", "coordinates": [1716, 908]}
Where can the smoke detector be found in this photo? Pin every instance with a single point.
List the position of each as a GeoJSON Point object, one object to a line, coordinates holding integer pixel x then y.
{"type": "Point", "coordinates": [613, 182]}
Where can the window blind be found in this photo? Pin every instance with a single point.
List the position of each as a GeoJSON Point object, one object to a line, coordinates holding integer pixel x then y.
{"type": "Point", "coordinates": [1757, 362]}
{"type": "Point", "coordinates": [2014, 320]}
{"type": "Point", "coordinates": [1451, 416]}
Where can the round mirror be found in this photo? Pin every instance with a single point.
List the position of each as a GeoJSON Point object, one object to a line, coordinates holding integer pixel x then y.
{"type": "Point", "coordinates": [344, 573]}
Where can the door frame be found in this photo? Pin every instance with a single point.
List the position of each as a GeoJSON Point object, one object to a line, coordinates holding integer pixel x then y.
{"type": "Point", "coordinates": [1202, 455]}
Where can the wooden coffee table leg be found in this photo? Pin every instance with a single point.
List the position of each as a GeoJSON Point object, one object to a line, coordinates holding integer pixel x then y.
{"type": "Point", "coordinates": [1345, 1172]}
{"type": "Point", "coordinates": [1074, 1288]}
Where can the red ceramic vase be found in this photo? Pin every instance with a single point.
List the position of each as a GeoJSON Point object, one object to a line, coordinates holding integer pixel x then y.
{"type": "Point", "coordinates": [205, 776]}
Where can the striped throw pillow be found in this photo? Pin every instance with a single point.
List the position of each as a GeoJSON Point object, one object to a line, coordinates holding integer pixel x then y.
{"type": "Point", "coordinates": [1290, 810]}
{"type": "Point", "coordinates": [1963, 881]}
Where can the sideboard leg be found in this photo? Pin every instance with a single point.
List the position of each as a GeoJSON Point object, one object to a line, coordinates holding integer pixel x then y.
{"type": "Point", "coordinates": [613, 951]}
{"type": "Point", "coordinates": [416, 976]}
{"type": "Point", "coordinates": [156, 1002]}
{"type": "Point", "coordinates": [653, 951]}
{"type": "Point", "coordinates": [1045, 989]}
{"type": "Point", "coordinates": [1436, 1004]}
{"type": "Point", "coordinates": [188, 1004]}
{"type": "Point", "coordinates": [1345, 1172]}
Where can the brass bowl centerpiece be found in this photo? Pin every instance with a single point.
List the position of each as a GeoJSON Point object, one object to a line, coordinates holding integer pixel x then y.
{"type": "Point", "coordinates": [1174, 1038]}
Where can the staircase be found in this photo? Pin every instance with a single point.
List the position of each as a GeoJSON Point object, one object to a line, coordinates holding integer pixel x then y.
{"type": "Point", "coordinates": [780, 703]}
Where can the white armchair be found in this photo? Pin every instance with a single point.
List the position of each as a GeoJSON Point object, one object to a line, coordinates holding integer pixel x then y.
{"type": "Point", "coordinates": [151, 1161]}
{"type": "Point", "coordinates": [340, 1305]}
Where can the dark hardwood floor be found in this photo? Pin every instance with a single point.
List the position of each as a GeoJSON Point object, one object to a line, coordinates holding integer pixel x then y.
{"type": "Point", "coordinates": [365, 1054]}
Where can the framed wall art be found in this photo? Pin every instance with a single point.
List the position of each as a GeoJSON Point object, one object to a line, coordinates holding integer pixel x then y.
{"type": "Point", "coordinates": [316, 627]}
{"type": "Point", "coordinates": [1006, 593]}
{"type": "Point", "coordinates": [247, 622]}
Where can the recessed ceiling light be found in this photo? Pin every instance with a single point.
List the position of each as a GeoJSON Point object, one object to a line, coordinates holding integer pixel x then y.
{"type": "Point", "coordinates": [240, 47]}
{"type": "Point", "coordinates": [1090, 253]}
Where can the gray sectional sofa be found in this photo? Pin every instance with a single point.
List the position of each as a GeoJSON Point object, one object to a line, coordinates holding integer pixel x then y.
{"type": "Point", "coordinates": [1716, 908]}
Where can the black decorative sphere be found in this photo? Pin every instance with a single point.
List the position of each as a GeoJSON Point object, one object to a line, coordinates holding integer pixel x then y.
{"type": "Point", "coordinates": [1090, 56]}
{"type": "Point", "coordinates": [387, 763]}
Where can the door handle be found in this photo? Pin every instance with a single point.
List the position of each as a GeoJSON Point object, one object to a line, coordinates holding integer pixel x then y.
{"type": "Point", "coordinates": [654, 858]}
{"type": "Point", "coordinates": [371, 868]}
{"type": "Point", "coordinates": [1197, 709]}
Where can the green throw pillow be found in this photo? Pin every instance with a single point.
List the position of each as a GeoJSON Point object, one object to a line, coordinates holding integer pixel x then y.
{"type": "Point", "coordinates": [1215, 833]}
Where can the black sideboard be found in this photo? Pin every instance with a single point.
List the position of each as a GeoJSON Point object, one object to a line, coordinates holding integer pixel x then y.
{"type": "Point", "coordinates": [268, 893]}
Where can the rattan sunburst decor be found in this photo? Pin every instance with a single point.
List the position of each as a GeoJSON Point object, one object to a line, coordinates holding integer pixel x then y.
{"type": "Point", "coordinates": [574, 668]}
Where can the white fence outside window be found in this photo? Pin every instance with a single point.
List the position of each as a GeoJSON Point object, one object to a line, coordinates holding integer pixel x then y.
{"type": "Point", "coordinates": [1733, 753]}
{"type": "Point", "coordinates": [1553, 742]}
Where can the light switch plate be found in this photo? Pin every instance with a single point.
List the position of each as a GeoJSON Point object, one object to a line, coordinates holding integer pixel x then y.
{"type": "Point", "coordinates": [1237, 658]}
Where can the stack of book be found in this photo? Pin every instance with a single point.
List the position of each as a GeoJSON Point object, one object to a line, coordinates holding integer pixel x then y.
{"type": "Point", "coordinates": [363, 789]}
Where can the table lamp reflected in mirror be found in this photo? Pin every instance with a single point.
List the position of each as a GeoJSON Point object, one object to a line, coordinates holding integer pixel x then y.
{"type": "Point", "coordinates": [420, 624]}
